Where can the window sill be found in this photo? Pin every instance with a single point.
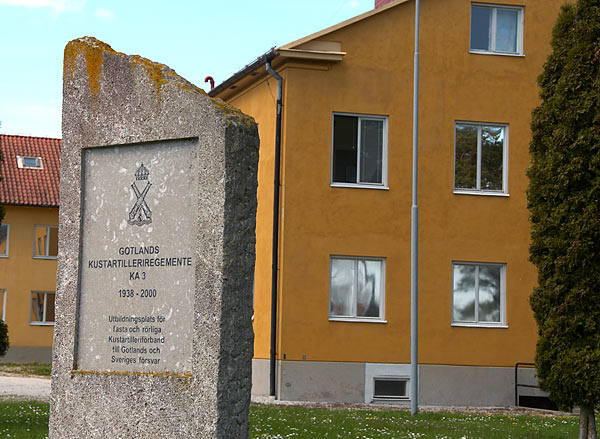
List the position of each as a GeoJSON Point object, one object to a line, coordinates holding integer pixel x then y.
{"type": "Point", "coordinates": [484, 52]}
{"type": "Point", "coordinates": [3, 256]}
{"type": "Point", "coordinates": [41, 323]}
{"type": "Point", "coordinates": [360, 186]}
{"type": "Point", "coordinates": [482, 193]}
{"type": "Point", "coordinates": [480, 325]}
{"type": "Point", "coordinates": [45, 257]}
{"type": "Point", "coordinates": [351, 319]}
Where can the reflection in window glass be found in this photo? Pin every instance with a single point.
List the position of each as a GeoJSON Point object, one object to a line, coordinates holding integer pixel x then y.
{"type": "Point", "coordinates": [464, 293]}
{"type": "Point", "coordinates": [4, 240]}
{"type": "Point", "coordinates": [479, 157]}
{"type": "Point", "coordinates": [342, 287]}
{"type": "Point", "coordinates": [3, 305]}
{"type": "Point", "coordinates": [42, 307]}
{"type": "Point", "coordinates": [371, 151]}
{"type": "Point", "coordinates": [492, 157]}
{"type": "Point", "coordinates": [465, 176]}
{"type": "Point", "coordinates": [356, 288]}
{"type": "Point", "coordinates": [477, 293]}
{"type": "Point", "coordinates": [45, 241]}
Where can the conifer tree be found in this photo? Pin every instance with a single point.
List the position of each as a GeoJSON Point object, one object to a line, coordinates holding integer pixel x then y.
{"type": "Point", "coordinates": [564, 203]}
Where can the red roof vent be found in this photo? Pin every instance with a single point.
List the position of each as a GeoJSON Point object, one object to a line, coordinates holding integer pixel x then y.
{"type": "Point", "coordinates": [380, 3]}
{"type": "Point", "coordinates": [30, 171]}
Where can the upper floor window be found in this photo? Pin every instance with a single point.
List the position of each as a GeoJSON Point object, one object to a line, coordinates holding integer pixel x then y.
{"type": "Point", "coordinates": [496, 29]}
{"type": "Point", "coordinates": [25, 162]}
{"type": "Point", "coordinates": [480, 153]}
{"type": "Point", "coordinates": [359, 156]}
{"type": "Point", "coordinates": [356, 288]}
{"type": "Point", "coordinates": [42, 308]}
{"type": "Point", "coordinates": [478, 294]}
{"type": "Point", "coordinates": [45, 242]}
{"type": "Point", "coordinates": [4, 236]}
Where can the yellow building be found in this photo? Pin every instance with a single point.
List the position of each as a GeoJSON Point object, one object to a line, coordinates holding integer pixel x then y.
{"type": "Point", "coordinates": [342, 329]}
{"type": "Point", "coordinates": [29, 244]}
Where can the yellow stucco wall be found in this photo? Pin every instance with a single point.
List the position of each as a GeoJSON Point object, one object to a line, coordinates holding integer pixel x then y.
{"type": "Point", "coordinates": [20, 274]}
{"type": "Point", "coordinates": [375, 77]}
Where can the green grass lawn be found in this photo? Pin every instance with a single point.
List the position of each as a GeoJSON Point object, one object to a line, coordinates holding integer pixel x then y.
{"type": "Point", "coordinates": [29, 420]}
{"type": "Point", "coordinates": [26, 369]}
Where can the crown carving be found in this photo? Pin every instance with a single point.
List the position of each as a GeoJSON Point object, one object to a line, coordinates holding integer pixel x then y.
{"type": "Point", "coordinates": [142, 173]}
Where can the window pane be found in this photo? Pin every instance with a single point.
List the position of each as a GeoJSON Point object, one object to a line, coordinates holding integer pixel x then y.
{"type": "Point", "coordinates": [506, 30]}
{"type": "Point", "coordinates": [342, 287]}
{"type": "Point", "coordinates": [465, 172]}
{"type": "Point", "coordinates": [369, 289]}
{"type": "Point", "coordinates": [2, 303]}
{"type": "Point", "coordinates": [4, 240]}
{"type": "Point", "coordinates": [53, 247]}
{"type": "Point", "coordinates": [37, 307]}
{"type": "Point", "coordinates": [39, 241]}
{"type": "Point", "coordinates": [30, 162]}
{"type": "Point", "coordinates": [50, 307]}
{"type": "Point", "coordinates": [463, 306]}
{"type": "Point", "coordinates": [345, 141]}
{"type": "Point", "coordinates": [492, 158]}
{"type": "Point", "coordinates": [371, 151]}
{"type": "Point", "coordinates": [489, 293]}
{"type": "Point", "coordinates": [390, 388]}
{"type": "Point", "coordinates": [480, 27]}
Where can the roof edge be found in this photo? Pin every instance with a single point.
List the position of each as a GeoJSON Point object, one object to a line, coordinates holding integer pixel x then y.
{"type": "Point", "coordinates": [267, 56]}
{"type": "Point", "coordinates": [343, 24]}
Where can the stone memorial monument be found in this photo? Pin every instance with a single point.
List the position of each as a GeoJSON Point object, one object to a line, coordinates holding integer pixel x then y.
{"type": "Point", "coordinates": [153, 335]}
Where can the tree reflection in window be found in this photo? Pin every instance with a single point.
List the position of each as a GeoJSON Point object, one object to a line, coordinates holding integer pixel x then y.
{"type": "Point", "coordinates": [477, 293]}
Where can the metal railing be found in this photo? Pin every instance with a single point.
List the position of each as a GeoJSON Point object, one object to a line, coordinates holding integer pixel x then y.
{"type": "Point", "coordinates": [517, 384]}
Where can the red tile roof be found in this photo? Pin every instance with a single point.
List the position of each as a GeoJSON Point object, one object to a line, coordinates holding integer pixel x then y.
{"type": "Point", "coordinates": [29, 187]}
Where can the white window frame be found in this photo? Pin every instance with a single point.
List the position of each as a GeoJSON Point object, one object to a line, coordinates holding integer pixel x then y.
{"type": "Point", "coordinates": [476, 323]}
{"type": "Point", "coordinates": [21, 162]}
{"type": "Point", "coordinates": [43, 322]}
{"type": "Point", "coordinates": [381, 318]}
{"type": "Point", "coordinates": [3, 305]}
{"type": "Point", "coordinates": [478, 190]}
{"type": "Point", "coordinates": [384, 164]}
{"type": "Point", "coordinates": [46, 256]}
{"type": "Point", "coordinates": [494, 8]}
{"type": "Point", "coordinates": [389, 397]}
{"type": "Point", "coordinates": [5, 255]}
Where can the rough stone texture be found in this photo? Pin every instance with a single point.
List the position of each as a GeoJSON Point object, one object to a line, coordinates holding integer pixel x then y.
{"type": "Point", "coordinates": [113, 99]}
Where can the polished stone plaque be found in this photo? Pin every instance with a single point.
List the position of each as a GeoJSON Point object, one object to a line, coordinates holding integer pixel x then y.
{"type": "Point", "coordinates": [137, 258]}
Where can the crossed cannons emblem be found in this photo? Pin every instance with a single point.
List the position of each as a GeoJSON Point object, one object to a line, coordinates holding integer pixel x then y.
{"type": "Point", "coordinates": [140, 213]}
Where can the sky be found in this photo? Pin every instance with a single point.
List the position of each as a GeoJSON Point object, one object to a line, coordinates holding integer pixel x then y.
{"type": "Point", "coordinates": [195, 38]}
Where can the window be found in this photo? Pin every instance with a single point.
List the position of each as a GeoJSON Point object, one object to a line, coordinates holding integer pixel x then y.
{"type": "Point", "coordinates": [390, 388]}
{"type": "Point", "coordinates": [42, 308]}
{"type": "Point", "coordinates": [478, 294]}
{"type": "Point", "coordinates": [356, 288]}
{"type": "Point", "coordinates": [359, 151]}
{"type": "Point", "coordinates": [45, 242]}
{"type": "Point", "coordinates": [497, 29]}
{"type": "Point", "coordinates": [480, 153]}
{"type": "Point", "coordinates": [3, 305]}
{"type": "Point", "coordinates": [4, 235]}
{"type": "Point", "coordinates": [24, 162]}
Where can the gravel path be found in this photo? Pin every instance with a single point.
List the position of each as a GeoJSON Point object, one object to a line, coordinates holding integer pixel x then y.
{"type": "Point", "coordinates": [24, 387]}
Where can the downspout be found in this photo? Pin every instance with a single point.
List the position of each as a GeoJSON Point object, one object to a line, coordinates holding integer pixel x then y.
{"type": "Point", "coordinates": [275, 253]}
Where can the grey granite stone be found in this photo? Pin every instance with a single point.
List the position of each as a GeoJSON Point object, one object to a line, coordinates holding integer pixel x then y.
{"type": "Point", "coordinates": [120, 111]}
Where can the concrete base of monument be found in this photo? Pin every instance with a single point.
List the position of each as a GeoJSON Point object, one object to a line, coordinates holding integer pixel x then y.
{"type": "Point", "coordinates": [28, 354]}
{"type": "Point", "coordinates": [345, 382]}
